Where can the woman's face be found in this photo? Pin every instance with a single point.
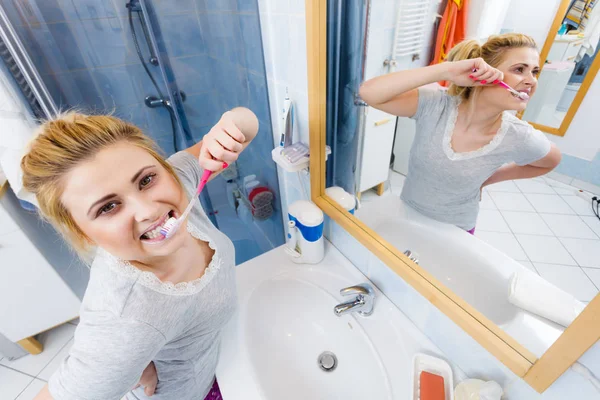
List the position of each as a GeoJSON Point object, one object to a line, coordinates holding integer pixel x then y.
{"type": "Point", "coordinates": [122, 195]}
{"type": "Point", "coordinates": [521, 69]}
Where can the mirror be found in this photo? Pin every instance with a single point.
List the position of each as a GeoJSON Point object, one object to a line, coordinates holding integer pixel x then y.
{"type": "Point", "coordinates": [531, 265]}
{"type": "Point", "coordinates": [573, 49]}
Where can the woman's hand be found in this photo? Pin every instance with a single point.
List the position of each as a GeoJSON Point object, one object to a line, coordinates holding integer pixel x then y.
{"type": "Point", "coordinates": [149, 380]}
{"type": "Point", "coordinates": [222, 144]}
{"type": "Point", "coordinates": [472, 72]}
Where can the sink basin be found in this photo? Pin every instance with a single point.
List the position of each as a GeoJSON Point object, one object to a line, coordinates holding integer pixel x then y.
{"type": "Point", "coordinates": [271, 348]}
{"type": "Point", "coordinates": [286, 337]}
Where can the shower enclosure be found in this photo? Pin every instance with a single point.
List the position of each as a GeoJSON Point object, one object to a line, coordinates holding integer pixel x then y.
{"type": "Point", "coordinates": [171, 67]}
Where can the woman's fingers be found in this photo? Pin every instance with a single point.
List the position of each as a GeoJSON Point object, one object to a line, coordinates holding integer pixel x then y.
{"type": "Point", "coordinates": [217, 151]}
{"type": "Point", "coordinates": [229, 142]}
{"type": "Point", "coordinates": [207, 161]}
{"type": "Point", "coordinates": [233, 131]}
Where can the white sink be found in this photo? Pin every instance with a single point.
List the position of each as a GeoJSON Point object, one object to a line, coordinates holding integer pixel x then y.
{"type": "Point", "coordinates": [285, 321]}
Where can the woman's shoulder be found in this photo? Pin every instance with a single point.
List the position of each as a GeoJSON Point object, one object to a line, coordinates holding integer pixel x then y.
{"type": "Point", "coordinates": [516, 126]}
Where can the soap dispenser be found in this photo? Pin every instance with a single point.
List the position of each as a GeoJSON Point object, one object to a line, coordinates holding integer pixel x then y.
{"type": "Point", "coordinates": [305, 233]}
{"type": "Point", "coordinates": [342, 197]}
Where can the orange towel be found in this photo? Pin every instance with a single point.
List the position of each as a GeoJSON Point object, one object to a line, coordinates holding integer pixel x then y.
{"type": "Point", "coordinates": [452, 29]}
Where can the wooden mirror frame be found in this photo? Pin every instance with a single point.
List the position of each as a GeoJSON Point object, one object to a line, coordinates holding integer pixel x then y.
{"type": "Point", "coordinates": [585, 85]}
{"type": "Point", "coordinates": [538, 373]}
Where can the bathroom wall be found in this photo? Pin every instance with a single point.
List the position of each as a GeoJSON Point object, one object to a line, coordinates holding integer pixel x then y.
{"type": "Point", "coordinates": [459, 348]}
{"type": "Point", "coordinates": [283, 29]}
{"type": "Point", "coordinates": [581, 144]}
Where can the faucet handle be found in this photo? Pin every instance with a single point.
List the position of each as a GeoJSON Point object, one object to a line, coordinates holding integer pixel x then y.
{"type": "Point", "coordinates": [363, 288]}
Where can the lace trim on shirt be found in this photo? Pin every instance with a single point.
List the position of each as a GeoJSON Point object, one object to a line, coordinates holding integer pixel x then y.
{"type": "Point", "coordinates": [447, 139]}
{"type": "Point", "coordinates": [151, 281]}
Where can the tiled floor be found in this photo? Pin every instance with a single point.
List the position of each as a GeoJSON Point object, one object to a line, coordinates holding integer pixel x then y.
{"type": "Point", "coordinates": [541, 223]}
{"type": "Point", "coordinates": [22, 379]}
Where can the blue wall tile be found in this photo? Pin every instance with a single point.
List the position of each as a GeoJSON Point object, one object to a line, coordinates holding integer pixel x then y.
{"type": "Point", "coordinates": [103, 42]}
{"type": "Point", "coordinates": [588, 171]}
{"type": "Point", "coordinates": [167, 7]}
{"type": "Point", "coordinates": [247, 6]}
{"type": "Point", "coordinates": [74, 89]}
{"type": "Point", "coordinates": [59, 47]}
{"type": "Point", "coordinates": [252, 43]}
{"type": "Point", "coordinates": [193, 73]}
{"type": "Point", "coordinates": [259, 101]}
{"type": "Point", "coordinates": [135, 114]}
{"type": "Point", "coordinates": [182, 34]}
{"type": "Point", "coordinates": [83, 9]}
{"type": "Point", "coordinates": [202, 111]}
{"type": "Point", "coordinates": [217, 5]}
{"type": "Point", "coordinates": [116, 86]}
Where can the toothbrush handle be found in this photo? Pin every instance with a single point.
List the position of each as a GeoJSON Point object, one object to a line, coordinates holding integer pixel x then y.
{"type": "Point", "coordinates": [205, 177]}
{"type": "Point", "coordinates": [504, 85]}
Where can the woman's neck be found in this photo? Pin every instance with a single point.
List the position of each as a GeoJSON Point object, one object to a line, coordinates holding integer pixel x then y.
{"type": "Point", "coordinates": [479, 115]}
{"type": "Point", "coordinates": [177, 266]}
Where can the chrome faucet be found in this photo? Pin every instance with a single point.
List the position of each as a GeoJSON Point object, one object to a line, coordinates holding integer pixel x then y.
{"type": "Point", "coordinates": [362, 304]}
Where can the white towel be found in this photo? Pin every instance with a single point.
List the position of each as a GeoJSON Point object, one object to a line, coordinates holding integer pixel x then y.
{"type": "Point", "coordinates": [532, 293]}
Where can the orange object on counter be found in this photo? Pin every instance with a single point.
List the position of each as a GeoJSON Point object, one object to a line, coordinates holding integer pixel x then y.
{"type": "Point", "coordinates": [431, 387]}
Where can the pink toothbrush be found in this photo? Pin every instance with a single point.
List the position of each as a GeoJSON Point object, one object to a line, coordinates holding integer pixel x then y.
{"type": "Point", "coordinates": [516, 93]}
{"type": "Point", "coordinates": [173, 224]}
{"type": "Point", "coordinates": [521, 95]}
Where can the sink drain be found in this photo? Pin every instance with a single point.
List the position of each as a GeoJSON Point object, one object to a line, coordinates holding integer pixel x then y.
{"type": "Point", "coordinates": [327, 361]}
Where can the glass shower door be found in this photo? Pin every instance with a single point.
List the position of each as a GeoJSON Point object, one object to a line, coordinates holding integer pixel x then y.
{"type": "Point", "coordinates": [182, 65]}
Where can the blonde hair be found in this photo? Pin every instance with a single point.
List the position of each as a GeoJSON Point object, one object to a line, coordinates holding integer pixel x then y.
{"type": "Point", "coordinates": [63, 143]}
{"type": "Point", "coordinates": [492, 52]}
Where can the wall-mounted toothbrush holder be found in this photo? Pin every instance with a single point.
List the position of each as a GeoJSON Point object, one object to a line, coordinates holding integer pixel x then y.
{"type": "Point", "coordinates": [299, 164]}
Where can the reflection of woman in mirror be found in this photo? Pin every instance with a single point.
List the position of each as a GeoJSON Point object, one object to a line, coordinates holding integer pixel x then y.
{"type": "Point", "coordinates": [465, 137]}
{"type": "Point", "coordinates": [155, 306]}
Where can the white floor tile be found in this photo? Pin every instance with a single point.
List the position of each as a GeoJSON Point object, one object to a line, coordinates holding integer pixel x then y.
{"type": "Point", "coordinates": [592, 222]}
{"type": "Point", "coordinates": [563, 191]}
{"type": "Point", "coordinates": [12, 383]}
{"type": "Point", "coordinates": [526, 222]}
{"type": "Point", "coordinates": [579, 205]}
{"type": "Point", "coordinates": [558, 184]}
{"type": "Point", "coordinates": [505, 242]}
{"type": "Point", "coordinates": [528, 265]}
{"type": "Point", "coordinates": [586, 186]}
{"type": "Point", "coordinates": [32, 390]}
{"type": "Point", "coordinates": [511, 201]}
{"type": "Point", "coordinates": [486, 202]}
{"type": "Point", "coordinates": [594, 275]}
{"type": "Point", "coordinates": [586, 252]}
{"type": "Point", "coordinates": [56, 361]}
{"type": "Point", "coordinates": [562, 178]}
{"type": "Point", "coordinates": [545, 249]}
{"type": "Point", "coordinates": [533, 186]}
{"type": "Point", "coordinates": [504, 186]}
{"type": "Point", "coordinates": [396, 181]}
{"type": "Point", "coordinates": [53, 342]}
{"type": "Point", "coordinates": [568, 226]}
{"type": "Point", "coordinates": [549, 203]}
{"type": "Point", "coordinates": [570, 279]}
{"type": "Point", "coordinates": [491, 220]}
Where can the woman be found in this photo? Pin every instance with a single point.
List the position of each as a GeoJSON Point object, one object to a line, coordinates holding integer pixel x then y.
{"type": "Point", "coordinates": [465, 138]}
{"type": "Point", "coordinates": [152, 303]}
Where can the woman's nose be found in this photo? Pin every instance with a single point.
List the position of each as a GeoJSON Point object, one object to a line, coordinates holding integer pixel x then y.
{"type": "Point", "coordinates": [145, 210]}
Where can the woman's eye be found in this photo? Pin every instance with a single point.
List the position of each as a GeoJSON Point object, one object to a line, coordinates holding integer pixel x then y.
{"type": "Point", "coordinates": [147, 180]}
{"type": "Point", "coordinates": [107, 208]}
{"type": "Point", "coordinates": [520, 69]}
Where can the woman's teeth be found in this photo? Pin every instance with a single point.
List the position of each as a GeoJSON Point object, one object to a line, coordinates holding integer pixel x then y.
{"type": "Point", "coordinates": [153, 234]}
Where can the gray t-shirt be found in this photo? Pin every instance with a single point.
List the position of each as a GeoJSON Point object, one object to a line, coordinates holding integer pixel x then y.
{"type": "Point", "coordinates": [444, 185]}
{"type": "Point", "coordinates": [129, 318]}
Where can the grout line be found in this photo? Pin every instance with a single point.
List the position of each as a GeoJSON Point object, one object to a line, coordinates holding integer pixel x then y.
{"type": "Point", "coordinates": [513, 234]}
{"type": "Point", "coordinates": [16, 370]}
{"type": "Point", "coordinates": [593, 283]}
